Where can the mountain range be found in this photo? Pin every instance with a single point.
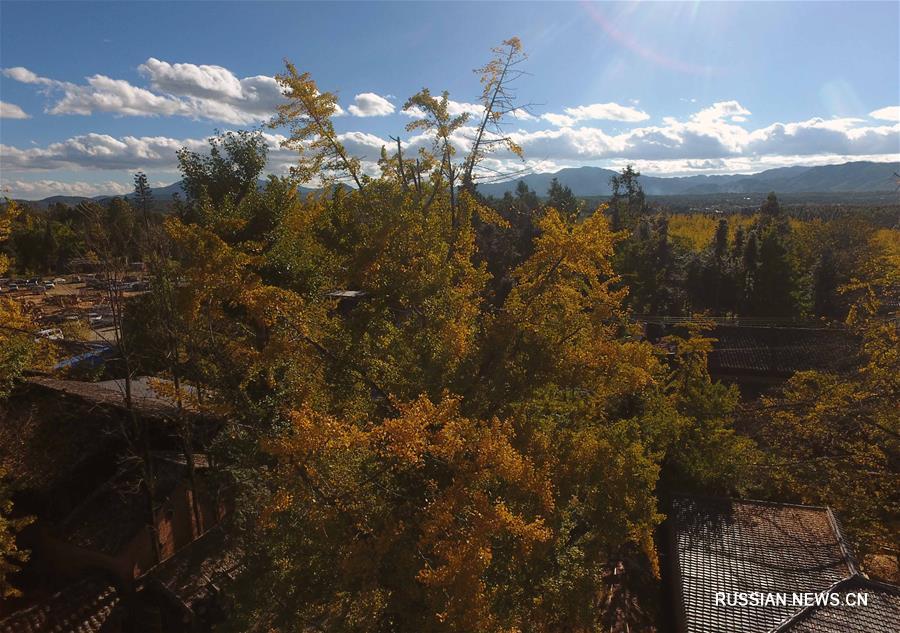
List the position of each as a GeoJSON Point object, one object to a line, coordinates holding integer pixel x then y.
{"type": "Point", "coordinates": [854, 177]}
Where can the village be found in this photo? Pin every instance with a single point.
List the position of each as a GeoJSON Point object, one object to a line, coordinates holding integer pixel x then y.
{"type": "Point", "coordinates": [449, 318]}
{"type": "Point", "coordinates": [99, 566]}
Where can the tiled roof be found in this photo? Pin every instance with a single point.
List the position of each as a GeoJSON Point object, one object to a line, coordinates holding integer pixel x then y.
{"type": "Point", "coordinates": [747, 546]}
{"type": "Point", "coordinates": [45, 443]}
{"type": "Point", "coordinates": [84, 607]}
{"type": "Point", "coordinates": [777, 350]}
{"type": "Point", "coordinates": [194, 574]}
{"type": "Point", "coordinates": [879, 613]}
{"type": "Point", "coordinates": [145, 397]}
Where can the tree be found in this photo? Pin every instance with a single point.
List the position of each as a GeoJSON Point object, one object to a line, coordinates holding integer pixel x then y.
{"type": "Point", "coordinates": [774, 286]}
{"type": "Point", "coordinates": [413, 450]}
{"type": "Point", "coordinates": [111, 240]}
{"type": "Point", "coordinates": [16, 351]}
{"type": "Point", "coordinates": [498, 101]}
{"type": "Point", "coordinates": [720, 241]}
{"type": "Point", "coordinates": [835, 439]}
{"type": "Point", "coordinates": [222, 178]}
{"type": "Point", "coordinates": [11, 556]}
{"type": "Point", "coordinates": [307, 114]}
{"type": "Point", "coordinates": [398, 525]}
{"type": "Point", "coordinates": [143, 196]}
{"type": "Point", "coordinates": [628, 201]}
{"type": "Point", "coordinates": [825, 286]}
{"type": "Point", "coordinates": [17, 348]}
{"type": "Point", "coordinates": [562, 199]}
{"type": "Point", "coordinates": [770, 208]}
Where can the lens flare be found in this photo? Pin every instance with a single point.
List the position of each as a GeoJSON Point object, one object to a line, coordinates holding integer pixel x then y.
{"type": "Point", "coordinates": [629, 42]}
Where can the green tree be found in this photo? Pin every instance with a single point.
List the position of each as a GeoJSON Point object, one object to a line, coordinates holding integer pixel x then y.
{"type": "Point", "coordinates": [411, 450]}
{"type": "Point", "coordinates": [16, 352]}
{"type": "Point", "coordinates": [224, 176]}
{"type": "Point", "coordinates": [562, 199]}
{"type": "Point", "coordinates": [770, 208]}
{"type": "Point", "coordinates": [825, 286]}
{"type": "Point", "coordinates": [834, 439]}
{"type": "Point", "coordinates": [143, 196]}
{"type": "Point", "coordinates": [627, 204]}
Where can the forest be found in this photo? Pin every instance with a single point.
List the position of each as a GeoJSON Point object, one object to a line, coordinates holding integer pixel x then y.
{"type": "Point", "coordinates": [445, 412]}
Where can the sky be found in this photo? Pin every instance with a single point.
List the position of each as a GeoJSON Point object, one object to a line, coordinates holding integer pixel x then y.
{"type": "Point", "coordinates": [92, 92]}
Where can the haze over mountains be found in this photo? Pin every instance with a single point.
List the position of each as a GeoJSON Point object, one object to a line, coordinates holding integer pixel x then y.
{"type": "Point", "coordinates": [854, 177]}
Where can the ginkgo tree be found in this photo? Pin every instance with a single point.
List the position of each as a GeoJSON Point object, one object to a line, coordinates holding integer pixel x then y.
{"type": "Point", "coordinates": [17, 350]}
{"type": "Point", "coordinates": [412, 451]}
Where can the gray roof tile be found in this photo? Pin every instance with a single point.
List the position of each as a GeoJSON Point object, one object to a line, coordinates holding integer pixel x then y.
{"type": "Point", "coordinates": [729, 546]}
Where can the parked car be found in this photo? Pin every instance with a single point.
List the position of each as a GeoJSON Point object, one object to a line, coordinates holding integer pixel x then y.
{"type": "Point", "coordinates": [49, 284]}
{"type": "Point", "coordinates": [59, 280]}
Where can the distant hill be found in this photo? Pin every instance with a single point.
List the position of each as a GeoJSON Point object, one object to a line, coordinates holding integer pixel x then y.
{"type": "Point", "coordinates": [856, 177]}
{"type": "Point", "coordinates": [161, 196]}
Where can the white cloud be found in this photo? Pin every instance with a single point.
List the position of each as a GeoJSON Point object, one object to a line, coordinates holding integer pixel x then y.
{"type": "Point", "coordinates": [189, 90]}
{"type": "Point", "coordinates": [713, 140]}
{"type": "Point", "coordinates": [607, 112]}
{"type": "Point", "coordinates": [560, 120]}
{"type": "Point", "coordinates": [38, 189]}
{"type": "Point", "coordinates": [890, 113]}
{"type": "Point", "coordinates": [214, 92]}
{"type": "Point", "coordinates": [821, 136]}
{"type": "Point", "coordinates": [456, 108]}
{"type": "Point", "coordinates": [596, 112]}
{"type": "Point", "coordinates": [743, 164]}
{"type": "Point", "coordinates": [720, 111]}
{"type": "Point", "coordinates": [102, 94]}
{"type": "Point", "coordinates": [362, 144]}
{"type": "Point", "coordinates": [12, 111]}
{"type": "Point", "coordinates": [25, 76]}
{"type": "Point", "coordinates": [203, 81]}
{"type": "Point", "coordinates": [98, 151]}
{"type": "Point", "coordinates": [370, 104]}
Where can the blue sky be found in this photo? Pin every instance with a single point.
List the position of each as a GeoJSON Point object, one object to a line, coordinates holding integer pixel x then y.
{"type": "Point", "coordinates": [92, 92]}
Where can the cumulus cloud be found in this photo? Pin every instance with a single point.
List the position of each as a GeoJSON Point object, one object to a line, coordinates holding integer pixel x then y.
{"type": "Point", "coordinates": [98, 151]}
{"type": "Point", "coordinates": [202, 81]}
{"type": "Point", "coordinates": [370, 104]}
{"type": "Point", "coordinates": [12, 111]}
{"type": "Point", "coordinates": [597, 112]}
{"type": "Point", "coordinates": [721, 111]}
{"type": "Point", "coordinates": [890, 113]}
{"type": "Point", "coordinates": [25, 76]}
{"type": "Point", "coordinates": [37, 189]}
{"type": "Point", "coordinates": [215, 92]}
{"type": "Point", "coordinates": [715, 139]}
{"type": "Point", "coordinates": [821, 136]}
{"type": "Point", "coordinates": [742, 164]}
{"type": "Point", "coordinates": [456, 108]}
{"type": "Point", "coordinates": [189, 90]}
{"type": "Point", "coordinates": [102, 94]}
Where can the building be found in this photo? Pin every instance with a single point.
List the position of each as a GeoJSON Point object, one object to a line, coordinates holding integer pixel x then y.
{"type": "Point", "coordinates": [757, 567]}
{"type": "Point", "coordinates": [91, 605]}
{"type": "Point", "coordinates": [93, 539]}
